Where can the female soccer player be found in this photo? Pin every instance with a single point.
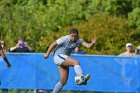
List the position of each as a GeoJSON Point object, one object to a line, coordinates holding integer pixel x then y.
{"type": "Point", "coordinates": [4, 56]}
{"type": "Point", "coordinates": [63, 47]}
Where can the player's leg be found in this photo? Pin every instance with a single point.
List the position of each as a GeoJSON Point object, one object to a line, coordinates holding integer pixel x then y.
{"type": "Point", "coordinates": [65, 60]}
{"type": "Point", "coordinates": [73, 62]}
{"type": "Point", "coordinates": [64, 72]}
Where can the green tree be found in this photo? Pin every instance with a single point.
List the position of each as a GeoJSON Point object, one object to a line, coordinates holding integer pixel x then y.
{"type": "Point", "coordinates": [113, 7]}
{"type": "Point", "coordinates": [43, 21]}
{"type": "Point", "coordinates": [134, 19]}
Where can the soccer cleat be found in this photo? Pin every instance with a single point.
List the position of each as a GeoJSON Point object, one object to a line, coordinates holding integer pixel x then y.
{"type": "Point", "coordinates": [87, 77]}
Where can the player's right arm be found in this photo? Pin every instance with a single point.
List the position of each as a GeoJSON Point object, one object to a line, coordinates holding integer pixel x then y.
{"type": "Point", "coordinates": [52, 46]}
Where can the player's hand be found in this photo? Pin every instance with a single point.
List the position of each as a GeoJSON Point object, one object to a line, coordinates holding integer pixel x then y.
{"type": "Point", "coordinates": [46, 56]}
{"type": "Point", "coordinates": [9, 65]}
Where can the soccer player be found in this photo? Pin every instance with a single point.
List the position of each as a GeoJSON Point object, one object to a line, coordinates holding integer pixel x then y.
{"type": "Point", "coordinates": [4, 57]}
{"type": "Point", "coordinates": [63, 47]}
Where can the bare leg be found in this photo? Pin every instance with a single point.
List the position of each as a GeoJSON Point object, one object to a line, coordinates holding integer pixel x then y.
{"type": "Point", "coordinates": [64, 71]}
{"type": "Point", "coordinates": [72, 62]}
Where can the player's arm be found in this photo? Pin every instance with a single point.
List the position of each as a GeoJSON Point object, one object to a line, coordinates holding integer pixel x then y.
{"type": "Point", "coordinates": [5, 58]}
{"type": "Point", "coordinates": [88, 45]}
{"type": "Point", "coordinates": [52, 46]}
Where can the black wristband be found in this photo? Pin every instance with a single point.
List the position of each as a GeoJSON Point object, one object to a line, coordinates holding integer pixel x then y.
{"type": "Point", "coordinates": [6, 60]}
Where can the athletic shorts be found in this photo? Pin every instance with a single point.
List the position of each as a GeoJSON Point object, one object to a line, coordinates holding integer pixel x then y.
{"type": "Point", "coordinates": [59, 58]}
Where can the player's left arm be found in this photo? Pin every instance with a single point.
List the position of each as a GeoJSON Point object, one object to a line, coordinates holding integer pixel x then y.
{"type": "Point", "coordinates": [88, 45]}
{"type": "Point", "coordinates": [5, 58]}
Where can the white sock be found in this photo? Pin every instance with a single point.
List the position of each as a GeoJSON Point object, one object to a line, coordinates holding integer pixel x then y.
{"type": "Point", "coordinates": [57, 87]}
{"type": "Point", "coordinates": [78, 70]}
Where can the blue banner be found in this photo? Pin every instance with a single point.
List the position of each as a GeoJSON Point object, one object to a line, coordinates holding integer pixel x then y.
{"type": "Point", "coordinates": [108, 73]}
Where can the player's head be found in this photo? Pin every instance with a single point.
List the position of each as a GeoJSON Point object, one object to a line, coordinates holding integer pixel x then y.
{"type": "Point", "coordinates": [2, 43]}
{"type": "Point", "coordinates": [74, 34]}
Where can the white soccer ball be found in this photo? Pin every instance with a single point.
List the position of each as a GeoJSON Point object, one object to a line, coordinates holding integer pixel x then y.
{"type": "Point", "coordinates": [79, 79]}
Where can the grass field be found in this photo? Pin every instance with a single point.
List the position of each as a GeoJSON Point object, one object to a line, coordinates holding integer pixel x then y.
{"type": "Point", "coordinates": [50, 91]}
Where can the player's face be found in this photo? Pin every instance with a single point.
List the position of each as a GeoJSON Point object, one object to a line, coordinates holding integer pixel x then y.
{"type": "Point", "coordinates": [2, 44]}
{"type": "Point", "coordinates": [74, 36]}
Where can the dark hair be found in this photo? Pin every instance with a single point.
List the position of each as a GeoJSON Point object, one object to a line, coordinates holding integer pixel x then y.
{"type": "Point", "coordinates": [74, 30]}
{"type": "Point", "coordinates": [22, 37]}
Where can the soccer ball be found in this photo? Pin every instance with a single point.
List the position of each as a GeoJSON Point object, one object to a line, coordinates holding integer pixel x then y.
{"type": "Point", "coordinates": [79, 79]}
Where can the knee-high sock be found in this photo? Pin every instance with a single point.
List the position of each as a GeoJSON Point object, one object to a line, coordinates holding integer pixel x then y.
{"type": "Point", "coordinates": [57, 87]}
{"type": "Point", "coordinates": [78, 70]}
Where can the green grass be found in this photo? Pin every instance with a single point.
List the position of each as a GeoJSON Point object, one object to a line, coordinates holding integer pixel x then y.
{"type": "Point", "coordinates": [50, 91]}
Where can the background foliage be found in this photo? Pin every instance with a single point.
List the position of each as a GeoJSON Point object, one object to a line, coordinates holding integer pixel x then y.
{"type": "Point", "coordinates": [113, 22]}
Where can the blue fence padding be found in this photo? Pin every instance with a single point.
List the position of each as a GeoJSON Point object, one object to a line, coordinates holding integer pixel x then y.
{"type": "Point", "coordinates": [108, 73]}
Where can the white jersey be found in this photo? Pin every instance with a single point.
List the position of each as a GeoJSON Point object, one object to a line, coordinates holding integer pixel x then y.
{"type": "Point", "coordinates": [65, 45]}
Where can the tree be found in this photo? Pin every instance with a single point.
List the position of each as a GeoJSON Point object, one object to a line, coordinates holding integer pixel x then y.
{"type": "Point", "coordinates": [134, 19]}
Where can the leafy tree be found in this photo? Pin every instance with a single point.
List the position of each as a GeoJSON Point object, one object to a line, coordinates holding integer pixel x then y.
{"type": "Point", "coordinates": [43, 21]}
{"type": "Point", "coordinates": [113, 7]}
{"type": "Point", "coordinates": [109, 30]}
{"type": "Point", "coordinates": [135, 4]}
{"type": "Point", "coordinates": [134, 19]}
